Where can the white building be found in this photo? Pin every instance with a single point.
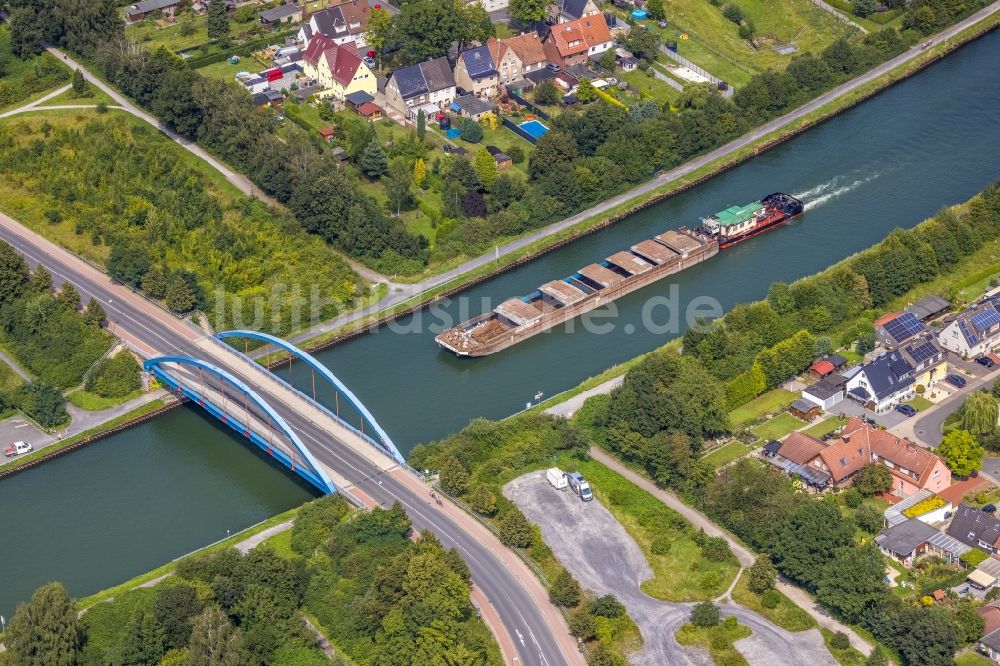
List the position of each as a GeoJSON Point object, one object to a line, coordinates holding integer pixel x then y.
{"type": "Point", "coordinates": [973, 332]}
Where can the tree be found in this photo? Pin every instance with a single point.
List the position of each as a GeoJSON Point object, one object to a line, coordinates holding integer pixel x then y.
{"type": "Point", "coordinates": [173, 607]}
{"type": "Point", "coordinates": [127, 263]}
{"type": "Point", "coordinates": [373, 162]}
{"type": "Point", "coordinates": [656, 10]}
{"type": "Point", "coordinates": [453, 476]}
{"type": "Point", "coordinates": [180, 297]}
{"type": "Point", "coordinates": [852, 580]}
{"type": "Point", "coordinates": [475, 23]}
{"type": "Point", "coordinates": [706, 614]}
{"type": "Point", "coordinates": [154, 282]}
{"type": "Point", "coordinates": [643, 44]}
{"type": "Point", "coordinates": [547, 93]}
{"type": "Point", "coordinates": [45, 631]}
{"type": "Point", "coordinates": [486, 168]}
{"type": "Point", "coordinates": [872, 479]}
{"type": "Point", "coordinates": [733, 13]}
{"type": "Point", "coordinates": [69, 297]}
{"type": "Point", "coordinates": [582, 624]}
{"type": "Point", "coordinates": [515, 529]}
{"type": "Point", "coordinates": [840, 56]}
{"type": "Point", "coordinates": [142, 642]}
{"type": "Point", "coordinates": [529, 11]}
{"type": "Point", "coordinates": [564, 591]}
{"type": "Point", "coordinates": [516, 155]}
{"type": "Point", "coordinates": [217, 19]}
{"type": "Point", "coordinates": [79, 83]}
{"type": "Point", "coordinates": [41, 280]}
{"type": "Point", "coordinates": [419, 172]}
{"type": "Point", "coordinates": [808, 539]}
{"type": "Point", "coordinates": [397, 183]}
{"type": "Point", "coordinates": [979, 413]}
{"type": "Point", "coordinates": [869, 518]}
{"type": "Point", "coordinates": [585, 91]}
{"type": "Point", "coordinates": [761, 575]}
{"type": "Point", "coordinates": [43, 403]}
{"type": "Point", "coordinates": [929, 638]}
{"type": "Point", "coordinates": [608, 61]}
{"type": "Point", "coordinates": [421, 123]}
{"type": "Point", "coordinates": [969, 624]}
{"type": "Point", "coordinates": [114, 377]}
{"type": "Point", "coordinates": [214, 641]}
{"type": "Point", "coordinates": [877, 657]}
{"type": "Point", "coordinates": [427, 29]}
{"type": "Point", "coordinates": [379, 31]}
{"type": "Point", "coordinates": [863, 8]}
{"type": "Point", "coordinates": [26, 34]}
{"type": "Point", "coordinates": [607, 606]}
{"type": "Point", "coordinates": [961, 452]}
{"type": "Point", "coordinates": [94, 314]}
{"type": "Point", "coordinates": [482, 500]}
{"type": "Point", "coordinates": [470, 131]}
{"type": "Point", "coordinates": [14, 274]}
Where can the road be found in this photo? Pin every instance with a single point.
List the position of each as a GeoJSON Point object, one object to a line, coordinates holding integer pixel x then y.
{"type": "Point", "coordinates": [402, 295]}
{"type": "Point", "coordinates": [927, 427]}
{"type": "Point", "coordinates": [513, 592]}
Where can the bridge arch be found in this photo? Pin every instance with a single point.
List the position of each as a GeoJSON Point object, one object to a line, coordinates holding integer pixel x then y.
{"type": "Point", "coordinates": [386, 443]}
{"type": "Point", "coordinates": [311, 471]}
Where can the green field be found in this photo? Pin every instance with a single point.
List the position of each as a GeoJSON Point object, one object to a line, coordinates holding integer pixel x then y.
{"type": "Point", "coordinates": [786, 614]}
{"type": "Point", "coordinates": [154, 34]}
{"type": "Point", "coordinates": [768, 403]}
{"type": "Point", "coordinates": [650, 85]}
{"type": "Point", "coordinates": [848, 657]}
{"type": "Point", "coordinates": [972, 659]}
{"type": "Point", "coordinates": [726, 454]}
{"type": "Point", "coordinates": [95, 403]}
{"type": "Point", "coordinates": [92, 95]}
{"type": "Point", "coordinates": [825, 426]}
{"type": "Point", "coordinates": [777, 427]}
{"type": "Point", "coordinates": [23, 81]}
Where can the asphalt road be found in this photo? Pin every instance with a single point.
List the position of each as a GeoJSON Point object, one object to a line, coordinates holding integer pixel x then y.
{"type": "Point", "coordinates": [148, 327]}
{"type": "Point", "coordinates": [594, 546]}
{"type": "Point", "coordinates": [928, 425]}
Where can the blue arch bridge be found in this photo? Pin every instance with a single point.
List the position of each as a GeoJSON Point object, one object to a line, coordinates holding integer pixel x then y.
{"type": "Point", "coordinates": [269, 423]}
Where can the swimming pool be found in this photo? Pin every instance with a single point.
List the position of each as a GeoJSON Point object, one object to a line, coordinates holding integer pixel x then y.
{"type": "Point", "coordinates": [535, 128]}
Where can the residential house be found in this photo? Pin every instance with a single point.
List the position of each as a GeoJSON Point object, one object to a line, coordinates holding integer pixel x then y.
{"type": "Point", "coordinates": [563, 11]}
{"type": "Point", "coordinates": [895, 328]}
{"type": "Point", "coordinates": [470, 106]}
{"type": "Point", "coordinates": [927, 358]}
{"type": "Point", "coordinates": [989, 644]}
{"type": "Point", "coordinates": [834, 462]}
{"type": "Point", "coordinates": [976, 528]}
{"type": "Point", "coordinates": [343, 23]}
{"type": "Point", "coordinates": [337, 68]}
{"type": "Point", "coordinates": [476, 73]}
{"type": "Point", "coordinates": [427, 84]}
{"type": "Point", "coordinates": [883, 383]}
{"type": "Point", "coordinates": [973, 332]}
{"type": "Point", "coordinates": [517, 56]}
{"type": "Point", "coordinates": [906, 541]}
{"type": "Point", "coordinates": [290, 13]}
{"type": "Point", "coordinates": [140, 10]}
{"type": "Point", "coordinates": [573, 42]}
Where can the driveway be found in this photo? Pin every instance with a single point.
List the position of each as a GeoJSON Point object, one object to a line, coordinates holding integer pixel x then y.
{"type": "Point", "coordinates": [601, 555]}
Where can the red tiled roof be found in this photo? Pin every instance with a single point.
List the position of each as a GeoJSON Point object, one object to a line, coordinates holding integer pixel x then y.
{"type": "Point", "coordinates": [327, 131]}
{"type": "Point", "coordinates": [901, 452]}
{"type": "Point", "coordinates": [342, 60]}
{"type": "Point", "coordinates": [991, 616]}
{"type": "Point", "coordinates": [886, 318]}
{"type": "Point", "coordinates": [845, 458]}
{"type": "Point", "coordinates": [568, 38]}
{"type": "Point", "coordinates": [822, 368]}
{"type": "Point", "coordinates": [800, 448]}
{"type": "Point", "coordinates": [369, 108]}
{"type": "Point", "coordinates": [527, 47]}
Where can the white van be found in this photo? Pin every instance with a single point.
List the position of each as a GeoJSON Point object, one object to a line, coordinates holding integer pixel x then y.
{"type": "Point", "coordinates": [556, 478]}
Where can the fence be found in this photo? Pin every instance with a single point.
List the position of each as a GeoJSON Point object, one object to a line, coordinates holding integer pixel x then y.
{"type": "Point", "coordinates": [669, 80]}
{"type": "Point", "coordinates": [520, 132]}
{"type": "Point", "coordinates": [681, 60]}
{"type": "Point", "coordinates": [528, 105]}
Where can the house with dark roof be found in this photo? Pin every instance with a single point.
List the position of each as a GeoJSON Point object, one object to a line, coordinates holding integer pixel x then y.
{"type": "Point", "coordinates": [346, 22]}
{"type": "Point", "coordinates": [927, 358]}
{"type": "Point", "coordinates": [337, 68]}
{"type": "Point", "coordinates": [989, 644]}
{"type": "Point", "coordinates": [476, 73]}
{"type": "Point", "coordinates": [572, 10]}
{"type": "Point", "coordinates": [906, 541]}
{"type": "Point", "coordinates": [929, 307]}
{"type": "Point", "coordinates": [895, 328]}
{"type": "Point", "coordinates": [290, 13]}
{"type": "Point", "coordinates": [429, 83]}
{"type": "Point", "coordinates": [140, 10]}
{"type": "Point", "coordinates": [883, 383]}
{"type": "Point", "coordinates": [502, 159]}
{"type": "Point", "coordinates": [972, 332]}
{"type": "Point", "coordinates": [976, 529]}
{"type": "Point", "coordinates": [826, 393]}
{"type": "Point", "coordinates": [470, 106]}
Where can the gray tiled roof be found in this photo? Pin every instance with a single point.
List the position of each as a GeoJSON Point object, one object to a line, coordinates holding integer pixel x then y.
{"type": "Point", "coordinates": [970, 526]}
{"type": "Point", "coordinates": [904, 538]}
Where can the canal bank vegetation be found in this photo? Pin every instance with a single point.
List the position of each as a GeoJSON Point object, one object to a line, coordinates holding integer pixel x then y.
{"type": "Point", "coordinates": [381, 597]}
{"type": "Point", "coordinates": [165, 223]}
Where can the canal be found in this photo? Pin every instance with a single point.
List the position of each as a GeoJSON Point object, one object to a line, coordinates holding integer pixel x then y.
{"type": "Point", "coordinates": [140, 498]}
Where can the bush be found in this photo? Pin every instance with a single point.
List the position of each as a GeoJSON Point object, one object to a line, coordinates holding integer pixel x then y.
{"type": "Point", "coordinates": [973, 558]}
{"type": "Point", "coordinates": [869, 518]}
{"type": "Point", "coordinates": [716, 549]}
{"type": "Point", "coordinates": [853, 498]}
{"type": "Point", "coordinates": [515, 529]}
{"type": "Point", "coordinates": [607, 606]}
{"type": "Point", "coordinates": [43, 403]}
{"type": "Point", "coordinates": [114, 377]}
{"type": "Point", "coordinates": [582, 625]}
{"type": "Point", "coordinates": [730, 623]}
{"type": "Point", "coordinates": [840, 641]}
{"type": "Point", "coordinates": [705, 614]}
{"type": "Point", "coordinates": [761, 575]}
{"type": "Point", "coordinates": [660, 545]}
{"type": "Point", "coordinates": [471, 131]}
{"type": "Point", "coordinates": [564, 591]}
{"type": "Point", "coordinates": [770, 599]}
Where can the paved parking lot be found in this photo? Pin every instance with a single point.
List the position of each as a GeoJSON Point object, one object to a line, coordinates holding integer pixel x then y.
{"type": "Point", "coordinates": [601, 555]}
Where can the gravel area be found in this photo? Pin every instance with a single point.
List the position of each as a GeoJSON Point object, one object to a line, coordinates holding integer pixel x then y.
{"type": "Point", "coordinates": [601, 555]}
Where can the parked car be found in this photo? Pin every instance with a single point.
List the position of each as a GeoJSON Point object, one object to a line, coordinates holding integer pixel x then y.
{"type": "Point", "coordinates": [989, 508]}
{"type": "Point", "coordinates": [956, 380]}
{"type": "Point", "coordinates": [906, 410]}
{"type": "Point", "coordinates": [17, 449]}
{"type": "Point", "coordinates": [370, 62]}
{"type": "Point", "coordinates": [870, 421]}
{"type": "Point", "coordinates": [986, 362]}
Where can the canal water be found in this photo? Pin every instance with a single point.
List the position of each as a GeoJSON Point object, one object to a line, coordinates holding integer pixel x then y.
{"type": "Point", "coordinates": [140, 498]}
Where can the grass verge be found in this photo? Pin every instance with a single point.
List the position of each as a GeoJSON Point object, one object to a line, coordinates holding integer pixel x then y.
{"type": "Point", "coordinates": [768, 403]}
{"type": "Point", "coordinates": [717, 640]}
{"type": "Point", "coordinates": [786, 614]}
{"type": "Point", "coordinates": [95, 403]}
{"type": "Point", "coordinates": [846, 657]}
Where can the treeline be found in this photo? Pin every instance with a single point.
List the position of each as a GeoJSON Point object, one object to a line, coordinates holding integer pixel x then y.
{"type": "Point", "coordinates": [930, 16]}
{"type": "Point", "coordinates": [812, 543]}
{"type": "Point", "coordinates": [49, 336]}
{"type": "Point", "coordinates": [19, 81]}
{"type": "Point", "coordinates": [757, 346]}
{"type": "Point", "coordinates": [381, 598]}
{"type": "Point", "coordinates": [224, 120]}
{"type": "Point", "coordinates": [78, 26]}
{"type": "Point", "coordinates": [123, 194]}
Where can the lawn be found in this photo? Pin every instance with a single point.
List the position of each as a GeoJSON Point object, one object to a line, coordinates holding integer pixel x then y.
{"type": "Point", "coordinates": [282, 545]}
{"type": "Point", "coordinates": [726, 454]}
{"type": "Point", "coordinates": [972, 659]}
{"type": "Point", "coordinates": [92, 95]}
{"type": "Point", "coordinates": [778, 427]}
{"type": "Point", "coordinates": [224, 71]}
{"type": "Point", "coordinates": [768, 403]}
{"type": "Point", "coordinates": [919, 403]}
{"type": "Point", "coordinates": [95, 403]}
{"type": "Point", "coordinates": [825, 426]}
{"type": "Point", "coordinates": [848, 657]}
{"type": "Point", "coordinates": [9, 380]}
{"type": "Point", "coordinates": [682, 574]}
{"type": "Point", "coordinates": [650, 86]}
{"type": "Point", "coordinates": [717, 640]}
{"type": "Point", "coordinates": [152, 36]}
{"type": "Point", "coordinates": [786, 614]}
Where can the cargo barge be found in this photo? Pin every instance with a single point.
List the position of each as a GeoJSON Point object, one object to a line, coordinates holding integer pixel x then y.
{"type": "Point", "coordinates": [558, 301]}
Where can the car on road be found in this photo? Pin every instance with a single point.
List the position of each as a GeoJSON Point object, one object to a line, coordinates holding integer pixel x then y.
{"type": "Point", "coordinates": [956, 381]}
{"type": "Point", "coordinates": [906, 410]}
{"type": "Point", "coordinates": [985, 361]}
{"type": "Point", "coordinates": [17, 449]}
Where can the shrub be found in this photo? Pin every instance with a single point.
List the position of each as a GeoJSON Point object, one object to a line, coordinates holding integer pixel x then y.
{"type": "Point", "coordinates": [660, 545]}
{"type": "Point", "coordinates": [711, 581]}
{"type": "Point", "coordinates": [840, 641]}
{"type": "Point", "coordinates": [770, 599]}
{"type": "Point", "coordinates": [582, 625]}
{"type": "Point", "coordinates": [471, 131]}
{"type": "Point", "coordinates": [705, 614]}
{"type": "Point", "coordinates": [716, 549]}
{"type": "Point", "coordinates": [564, 591]}
{"type": "Point", "coordinates": [607, 606]}
{"type": "Point", "coordinates": [761, 575]}
{"type": "Point", "coordinates": [730, 623]}
{"type": "Point", "coordinates": [973, 558]}
{"type": "Point", "coordinates": [853, 498]}
{"type": "Point", "coordinates": [515, 529]}
{"type": "Point", "coordinates": [114, 377]}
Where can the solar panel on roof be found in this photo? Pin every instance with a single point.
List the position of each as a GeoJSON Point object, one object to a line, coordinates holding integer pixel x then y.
{"type": "Point", "coordinates": [478, 62]}
{"type": "Point", "coordinates": [923, 352]}
{"type": "Point", "coordinates": [904, 326]}
{"type": "Point", "coordinates": [985, 319]}
{"type": "Point", "coordinates": [410, 81]}
{"type": "Point", "coordinates": [970, 338]}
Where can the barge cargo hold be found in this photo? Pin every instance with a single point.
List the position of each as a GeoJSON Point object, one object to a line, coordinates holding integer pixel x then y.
{"type": "Point", "coordinates": [559, 301]}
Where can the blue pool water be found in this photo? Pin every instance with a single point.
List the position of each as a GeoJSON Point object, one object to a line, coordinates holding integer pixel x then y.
{"type": "Point", "coordinates": [534, 128]}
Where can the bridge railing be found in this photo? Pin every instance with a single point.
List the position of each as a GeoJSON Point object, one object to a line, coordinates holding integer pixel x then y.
{"type": "Point", "coordinates": [309, 399]}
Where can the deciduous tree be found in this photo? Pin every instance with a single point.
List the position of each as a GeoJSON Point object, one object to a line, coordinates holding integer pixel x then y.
{"type": "Point", "coordinates": [214, 641]}
{"type": "Point", "coordinates": [961, 452]}
{"type": "Point", "coordinates": [515, 529]}
{"type": "Point", "coordinates": [13, 273]}
{"type": "Point", "coordinates": [872, 479]}
{"type": "Point", "coordinates": [564, 591]}
{"type": "Point", "coordinates": [486, 168]}
{"type": "Point", "coordinates": [808, 539]}
{"type": "Point", "coordinates": [979, 413]}
{"type": "Point", "coordinates": [45, 631]}
{"type": "Point", "coordinates": [142, 643]}
{"type": "Point", "coordinates": [529, 11]}
{"type": "Point", "coordinates": [706, 614]}
{"type": "Point", "coordinates": [851, 580]}
{"type": "Point", "coordinates": [761, 575]}
{"type": "Point", "coordinates": [379, 30]}
{"type": "Point", "coordinates": [174, 606]}
{"type": "Point", "coordinates": [94, 314]}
